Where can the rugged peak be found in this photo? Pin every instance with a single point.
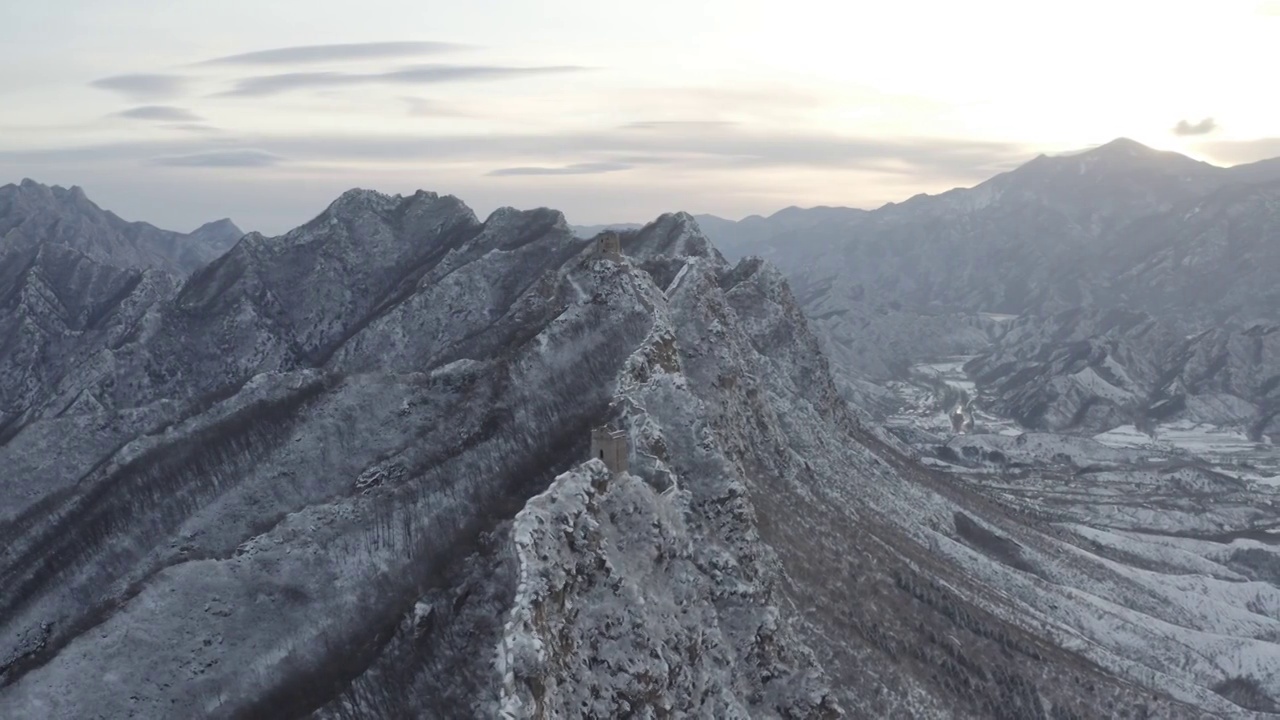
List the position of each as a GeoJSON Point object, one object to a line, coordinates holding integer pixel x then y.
{"type": "Point", "coordinates": [673, 235]}
{"type": "Point", "coordinates": [38, 195]}
{"type": "Point", "coordinates": [1126, 154]}
{"type": "Point", "coordinates": [34, 214]}
{"type": "Point", "coordinates": [1097, 189]}
{"type": "Point", "coordinates": [508, 228]}
{"type": "Point", "coordinates": [1121, 155]}
{"type": "Point", "coordinates": [507, 215]}
{"type": "Point", "coordinates": [225, 225]}
{"type": "Point", "coordinates": [27, 189]}
{"type": "Point", "coordinates": [426, 195]}
{"type": "Point", "coordinates": [219, 235]}
{"type": "Point", "coordinates": [358, 200]}
{"type": "Point", "coordinates": [214, 238]}
{"type": "Point", "coordinates": [362, 212]}
{"type": "Point", "coordinates": [1121, 147]}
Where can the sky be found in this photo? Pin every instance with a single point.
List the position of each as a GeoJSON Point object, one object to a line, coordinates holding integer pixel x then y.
{"type": "Point", "coordinates": [178, 112]}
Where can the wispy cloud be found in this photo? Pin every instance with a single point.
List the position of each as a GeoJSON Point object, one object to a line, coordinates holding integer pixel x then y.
{"type": "Point", "coordinates": [195, 127]}
{"type": "Point", "coordinates": [575, 169]}
{"type": "Point", "coordinates": [161, 113]}
{"type": "Point", "coordinates": [647, 159]}
{"type": "Point", "coordinates": [413, 75]}
{"type": "Point", "coordinates": [1243, 151]}
{"type": "Point", "coordinates": [730, 98]}
{"type": "Point", "coordinates": [1185, 128]}
{"type": "Point", "coordinates": [220, 159]}
{"type": "Point", "coordinates": [305, 54]}
{"type": "Point", "coordinates": [424, 107]}
{"type": "Point", "coordinates": [678, 124]}
{"type": "Point", "coordinates": [143, 86]}
{"type": "Point", "coordinates": [695, 148]}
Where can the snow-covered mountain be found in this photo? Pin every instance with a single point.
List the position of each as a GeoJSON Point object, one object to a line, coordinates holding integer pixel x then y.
{"type": "Point", "coordinates": [34, 215]}
{"type": "Point", "coordinates": [1096, 370]}
{"type": "Point", "coordinates": [343, 473]}
{"type": "Point", "coordinates": [1114, 224]}
{"type": "Point", "coordinates": [1120, 227]}
{"type": "Point", "coordinates": [59, 310]}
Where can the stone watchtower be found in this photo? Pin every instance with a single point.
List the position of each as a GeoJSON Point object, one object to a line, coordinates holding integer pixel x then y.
{"type": "Point", "coordinates": [611, 447]}
{"type": "Point", "coordinates": [609, 246]}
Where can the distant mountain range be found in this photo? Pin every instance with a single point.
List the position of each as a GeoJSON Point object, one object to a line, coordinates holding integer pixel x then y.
{"type": "Point", "coordinates": [1189, 246]}
{"type": "Point", "coordinates": [34, 215]}
{"type": "Point", "coordinates": [1119, 224]}
{"type": "Point", "coordinates": [1092, 370]}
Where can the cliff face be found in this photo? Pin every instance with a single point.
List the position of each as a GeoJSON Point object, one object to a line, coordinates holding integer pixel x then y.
{"type": "Point", "coordinates": [340, 473]}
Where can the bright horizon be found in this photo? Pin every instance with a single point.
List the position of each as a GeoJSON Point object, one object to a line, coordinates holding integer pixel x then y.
{"type": "Point", "coordinates": [610, 114]}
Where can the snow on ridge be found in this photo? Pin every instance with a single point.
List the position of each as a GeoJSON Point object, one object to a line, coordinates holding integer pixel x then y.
{"type": "Point", "coordinates": [630, 564]}
{"type": "Point", "coordinates": [521, 651]}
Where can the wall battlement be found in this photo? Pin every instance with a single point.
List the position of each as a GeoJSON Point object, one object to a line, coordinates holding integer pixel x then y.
{"type": "Point", "coordinates": [609, 246]}
{"type": "Point", "coordinates": [611, 447]}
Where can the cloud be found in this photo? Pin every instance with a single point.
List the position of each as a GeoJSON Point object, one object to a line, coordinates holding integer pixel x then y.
{"type": "Point", "coordinates": [689, 147]}
{"type": "Point", "coordinates": [195, 127]}
{"type": "Point", "coordinates": [423, 107]}
{"type": "Point", "coordinates": [1185, 128]}
{"type": "Point", "coordinates": [594, 168]}
{"type": "Point", "coordinates": [304, 54]}
{"type": "Point", "coordinates": [163, 113]}
{"type": "Point", "coordinates": [677, 124]}
{"type": "Point", "coordinates": [647, 159]}
{"type": "Point", "coordinates": [1243, 151]}
{"type": "Point", "coordinates": [1269, 7]}
{"type": "Point", "coordinates": [143, 86]}
{"type": "Point", "coordinates": [220, 158]}
{"type": "Point", "coordinates": [730, 98]}
{"type": "Point", "coordinates": [414, 75]}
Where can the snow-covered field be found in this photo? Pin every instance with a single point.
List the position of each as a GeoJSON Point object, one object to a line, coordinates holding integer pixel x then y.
{"type": "Point", "coordinates": [1227, 449]}
{"type": "Point", "coordinates": [921, 408]}
{"type": "Point", "coordinates": [950, 371]}
{"type": "Point", "coordinates": [1157, 556]}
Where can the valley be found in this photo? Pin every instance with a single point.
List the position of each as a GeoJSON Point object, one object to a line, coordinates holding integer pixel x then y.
{"type": "Point", "coordinates": [1156, 556]}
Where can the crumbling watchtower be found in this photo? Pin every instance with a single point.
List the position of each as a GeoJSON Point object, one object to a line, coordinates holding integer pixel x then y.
{"type": "Point", "coordinates": [609, 246]}
{"type": "Point", "coordinates": [611, 447]}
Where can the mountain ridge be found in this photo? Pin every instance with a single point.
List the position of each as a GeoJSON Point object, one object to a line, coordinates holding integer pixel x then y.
{"type": "Point", "coordinates": [277, 493]}
{"type": "Point", "coordinates": [32, 214]}
{"type": "Point", "coordinates": [1112, 226]}
{"type": "Point", "coordinates": [1265, 170]}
